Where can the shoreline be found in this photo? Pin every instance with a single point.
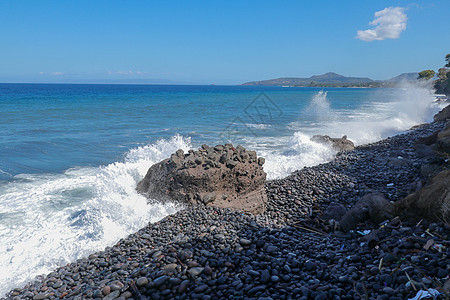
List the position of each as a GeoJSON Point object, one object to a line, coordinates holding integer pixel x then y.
{"type": "Point", "coordinates": [211, 253]}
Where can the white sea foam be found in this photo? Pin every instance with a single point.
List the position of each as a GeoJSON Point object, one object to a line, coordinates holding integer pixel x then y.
{"type": "Point", "coordinates": [407, 106]}
{"type": "Point", "coordinates": [298, 153]}
{"type": "Point", "coordinates": [48, 220]}
{"type": "Point", "coordinates": [257, 126]}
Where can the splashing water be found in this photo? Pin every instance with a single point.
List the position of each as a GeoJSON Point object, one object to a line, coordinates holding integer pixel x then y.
{"type": "Point", "coordinates": [319, 107]}
{"type": "Point", "coordinates": [409, 105]}
{"type": "Point", "coordinates": [51, 219]}
{"type": "Point", "coordinates": [300, 152]}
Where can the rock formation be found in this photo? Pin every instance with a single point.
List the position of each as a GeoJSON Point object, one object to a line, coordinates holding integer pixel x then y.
{"type": "Point", "coordinates": [221, 176]}
{"type": "Point", "coordinates": [443, 115]}
{"type": "Point", "coordinates": [431, 202]}
{"type": "Point", "coordinates": [339, 144]}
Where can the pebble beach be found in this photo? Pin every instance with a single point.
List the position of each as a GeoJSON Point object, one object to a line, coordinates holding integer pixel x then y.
{"type": "Point", "coordinates": [288, 252]}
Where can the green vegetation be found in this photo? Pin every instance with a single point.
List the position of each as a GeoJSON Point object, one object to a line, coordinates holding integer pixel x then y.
{"type": "Point", "coordinates": [373, 84]}
{"type": "Point", "coordinates": [426, 75]}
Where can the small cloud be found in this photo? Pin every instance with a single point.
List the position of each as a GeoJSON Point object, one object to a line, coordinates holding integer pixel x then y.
{"type": "Point", "coordinates": [389, 23]}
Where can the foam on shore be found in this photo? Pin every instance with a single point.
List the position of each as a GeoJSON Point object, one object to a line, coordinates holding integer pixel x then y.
{"type": "Point", "coordinates": [49, 220]}
{"type": "Point", "coordinates": [408, 106]}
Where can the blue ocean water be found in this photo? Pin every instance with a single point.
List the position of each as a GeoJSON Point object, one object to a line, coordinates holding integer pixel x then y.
{"type": "Point", "coordinates": [71, 155]}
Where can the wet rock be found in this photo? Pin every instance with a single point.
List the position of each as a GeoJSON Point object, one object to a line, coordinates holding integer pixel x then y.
{"type": "Point", "coordinates": [339, 144]}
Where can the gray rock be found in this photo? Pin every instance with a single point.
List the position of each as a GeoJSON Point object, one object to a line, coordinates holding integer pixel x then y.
{"type": "Point", "coordinates": [112, 295]}
{"type": "Point", "coordinates": [245, 242]}
{"type": "Point", "coordinates": [228, 172]}
{"type": "Point", "coordinates": [195, 271]}
{"type": "Point", "coordinates": [142, 281]}
{"type": "Point", "coordinates": [372, 207]}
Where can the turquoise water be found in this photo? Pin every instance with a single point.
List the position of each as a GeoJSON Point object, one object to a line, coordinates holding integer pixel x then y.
{"type": "Point", "coordinates": [71, 155]}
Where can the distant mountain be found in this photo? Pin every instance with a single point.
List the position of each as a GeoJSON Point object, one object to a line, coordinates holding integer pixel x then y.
{"type": "Point", "coordinates": [327, 78]}
{"type": "Point", "coordinates": [404, 77]}
{"type": "Point", "coordinates": [335, 80]}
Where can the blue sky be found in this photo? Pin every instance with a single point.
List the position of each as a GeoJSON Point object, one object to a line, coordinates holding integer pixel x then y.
{"type": "Point", "coordinates": [220, 42]}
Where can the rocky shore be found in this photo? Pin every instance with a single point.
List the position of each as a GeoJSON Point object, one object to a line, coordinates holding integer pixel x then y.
{"type": "Point", "coordinates": [296, 249]}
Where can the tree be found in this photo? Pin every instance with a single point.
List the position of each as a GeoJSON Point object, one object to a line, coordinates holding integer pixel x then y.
{"type": "Point", "coordinates": [442, 85]}
{"type": "Point", "coordinates": [442, 73]}
{"type": "Point", "coordinates": [427, 74]}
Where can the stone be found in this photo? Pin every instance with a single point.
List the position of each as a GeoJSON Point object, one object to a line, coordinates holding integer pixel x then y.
{"type": "Point", "coordinates": [431, 202]}
{"type": "Point", "coordinates": [183, 286]}
{"type": "Point", "coordinates": [160, 280]}
{"type": "Point", "coordinates": [443, 115]}
{"type": "Point", "coordinates": [112, 295]}
{"type": "Point", "coordinates": [372, 206]}
{"type": "Point", "coordinates": [142, 281]}
{"type": "Point", "coordinates": [195, 271]}
{"type": "Point", "coordinates": [245, 242]}
{"type": "Point", "coordinates": [334, 211]}
{"type": "Point", "coordinates": [310, 265]}
{"type": "Point", "coordinates": [106, 290]}
{"type": "Point", "coordinates": [339, 144]}
{"type": "Point", "coordinates": [239, 183]}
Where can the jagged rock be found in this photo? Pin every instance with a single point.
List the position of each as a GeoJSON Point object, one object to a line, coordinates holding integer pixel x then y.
{"type": "Point", "coordinates": [339, 144]}
{"type": "Point", "coordinates": [443, 115]}
{"type": "Point", "coordinates": [221, 176]}
{"type": "Point", "coordinates": [431, 202]}
{"type": "Point", "coordinates": [373, 207]}
{"type": "Point", "coordinates": [443, 140]}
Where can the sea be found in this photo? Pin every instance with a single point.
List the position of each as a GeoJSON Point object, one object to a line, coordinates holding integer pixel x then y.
{"type": "Point", "coordinates": [71, 154]}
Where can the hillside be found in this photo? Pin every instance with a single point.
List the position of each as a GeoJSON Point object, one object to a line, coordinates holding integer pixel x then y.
{"type": "Point", "coordinates": [329, 78]}
{"type": "Point", "coordinates": [404, 77]}
{"type": "Point", "coordinates": [334, 80]}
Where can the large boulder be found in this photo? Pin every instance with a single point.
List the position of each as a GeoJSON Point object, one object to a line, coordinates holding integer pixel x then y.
{"type": "Point", "coordinates": [442, 145]}
{"type": "Point", "coordinates": [443, 115]}
{"type": "Point", "coordinates": [338, 144]}
{"type": "Point", "coordinates": [371, 207]}
{"type": "Point", "coordinates": [431, 202]}
{"type": "Point", "coordinates": [221, 176]}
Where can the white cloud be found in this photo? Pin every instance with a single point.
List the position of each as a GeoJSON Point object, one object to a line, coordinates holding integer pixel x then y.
{"type": "Point", "coordinates": [389, 23]}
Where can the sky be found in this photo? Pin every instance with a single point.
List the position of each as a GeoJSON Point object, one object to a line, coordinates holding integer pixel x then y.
{"type": "Point", "coordinates": [218, 42]}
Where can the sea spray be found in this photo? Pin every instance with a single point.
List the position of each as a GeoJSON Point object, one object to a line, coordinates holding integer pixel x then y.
{"type": "Point", "coordinates": [406, 106]}
{"type": "Point", "coordinates": [300, 152]}
{"type": "Point", "coordinates": [319, 108]}
{"type": "Point", "coordinates": [53, 216]}
{"type": "Point", "coordinates": [48, 220]}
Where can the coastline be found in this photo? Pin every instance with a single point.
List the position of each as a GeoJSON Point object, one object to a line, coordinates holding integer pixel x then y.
{"type": "Point", "coordinates": [210, 253]}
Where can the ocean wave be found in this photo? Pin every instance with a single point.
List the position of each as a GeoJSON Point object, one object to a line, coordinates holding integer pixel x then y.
{"type": "Point", "coordinates": [408, 106]}
{"type": "Point", "coordinates": [257, 126]}
{"type": "Point", "coordinates": [48, 220]}
{"type": "Point", "coordinates": [298, 153]}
